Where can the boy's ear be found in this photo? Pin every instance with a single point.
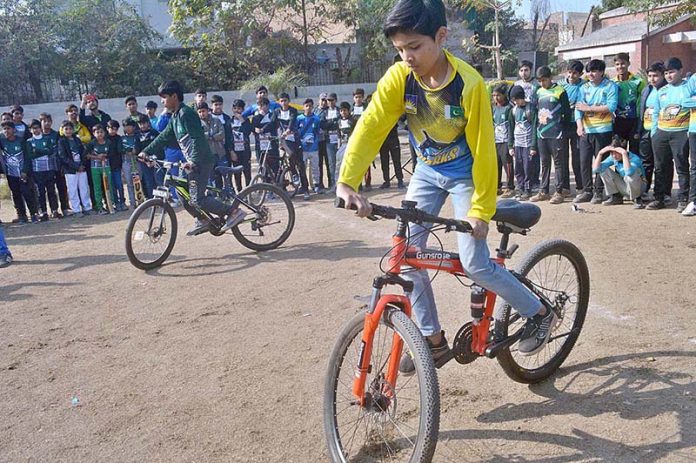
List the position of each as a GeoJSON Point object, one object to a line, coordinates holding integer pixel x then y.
{"type": "Point", "coordinates": [441, 36]}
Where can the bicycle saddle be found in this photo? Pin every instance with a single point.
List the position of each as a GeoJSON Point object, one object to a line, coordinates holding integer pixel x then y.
{"type": "Point", "coordinates": [517, 214]}
{"type": "Point", "coordinates": [222, 170]}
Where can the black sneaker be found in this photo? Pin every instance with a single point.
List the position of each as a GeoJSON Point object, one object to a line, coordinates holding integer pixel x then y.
{"type": "Point", "coordinates": [655, 205]}
{"type": "Point", "coordinates": [5, 260]}
{"type": "Point", "coordinates": [56, 215]}
{"type": "Point", "coordinates": [441, 355]}
{"type": "Point", "coordinates": [681, 205]}
{"type": "Point", "coordinates": [536, 333]}
{"type": "Point", "coordinates": [44, 217]}
{"type": "Point", "coordinates": [614, 200]}
{"type": "Point", "coordinates": [199, 227]}
{"type": "Point", "coordinates": [400, 185]}
{"type": "Point", "coordinates": [638, 203]}
{"type": "Point", "coordinates": [583, 197]}
{"type": "Point", "coordinates": [596, 199]}
{"type": "Point", "coordinates": [385, 185]}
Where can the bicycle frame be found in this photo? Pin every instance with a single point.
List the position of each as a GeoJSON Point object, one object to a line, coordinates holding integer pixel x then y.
{"type": "Point", "coordinates": [402, 255]}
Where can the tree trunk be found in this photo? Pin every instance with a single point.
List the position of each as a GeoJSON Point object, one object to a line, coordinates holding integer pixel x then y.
{"type": "Point", "coordinates": [496, 50]}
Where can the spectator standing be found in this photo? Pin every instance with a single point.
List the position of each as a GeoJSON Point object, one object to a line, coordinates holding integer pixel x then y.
{"type": "Point", "coordinates": [622, 173]}
{"type": "Point", "coordinates": [526, 80]}
{"type": "Point", "coordinates": [80, 130]}
{"type": "Point", "coordinates": [97, 152]}
{"type": "Point", "coordinates": [323, 138]}
{"type": "Point", "coordinates": [502, 123]}
{"type": "Point", "coordinates": [151, 112]}
{"type": "Point", "coordinates": [570, 148]}
{"type": "Point", "coordinates": [41, 152]}
{"type": "Point", "coordinates": [128, 149]}
{"type": "Point", "coordinates": [308, 130]}
{"type": "Point", "coordinates": [285, 118]}
{"type": "Point", "coordinates": [391, 148]}
{"type": "Point", "coordinates": [18, 171]}
{"type": "Point", "coordinates": [346, 124]}
{"type": "Point", "coordinates": [359, 106]}
{"type": "Point", "coordinates": [215, 132]}
{"type": "Point", "coordinates": [266, 130]}
{"type": "Point", "coordinates": [216, 110]}
{"type": "Point", "coordinates": [241, 145]}
{"type": "Point", "coordinates": [21, 129]}
{"type": "Point", "coordinates": [690, 102]}
{"type": "Point", "coordinates": [626, 122]}
{"type": "Point", "coordinates": [95, 116]}
{"type": "Point", "coordinates": [5, 254]}
{"type": "Point", "coordinates": [147, 171]}
{"type": "Point", "coordinates": [61, 186]}
{"type": "Point", "coordinates": [115, 162]}
{"type": "Point", "coordinates": [522, 140]}
{"type": "Point", "coordinates": [329, 124]}
{"type": "Point", "coordinates": [647, 116]}
{"type": "Point", "coordinates": [72, 156]}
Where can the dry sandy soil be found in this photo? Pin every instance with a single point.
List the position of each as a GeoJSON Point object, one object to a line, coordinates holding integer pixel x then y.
{"type": "Point", "coordinates": [220, 355]}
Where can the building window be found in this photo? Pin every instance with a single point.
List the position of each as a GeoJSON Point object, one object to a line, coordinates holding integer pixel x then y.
{"type": "Point", "coordinates": [609, 60]}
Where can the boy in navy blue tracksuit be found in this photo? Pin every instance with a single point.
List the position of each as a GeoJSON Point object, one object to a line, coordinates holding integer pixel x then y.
{"type": "Point", "coordinates": [42, 153]}
{"type": "Point", "coordinates": [240, 145]}
{"type": "Point", "coordinates": [266, 131]}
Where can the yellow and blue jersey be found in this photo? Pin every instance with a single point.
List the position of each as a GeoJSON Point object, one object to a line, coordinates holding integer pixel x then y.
{"type": "Point", "coordinates": [649, 114]}
{"type": "Point", "coordinates": [690, 102]}
{"type": "Point", "coordinates": [604, 94]}
{"type": "Point", "coordinates": [573, 92]}
{"type": "Point", "coordinates": [450, 128]}
{"type": "Point", "coordinates": [672, 116]}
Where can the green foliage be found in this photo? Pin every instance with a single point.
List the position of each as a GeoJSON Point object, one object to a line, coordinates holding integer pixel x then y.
{"type": "Point", "coordinates": [281, 80]}
{"type": "Point", "coordinates": [4, 189]}
{"type": "Point", "coordinates": [663, 18]}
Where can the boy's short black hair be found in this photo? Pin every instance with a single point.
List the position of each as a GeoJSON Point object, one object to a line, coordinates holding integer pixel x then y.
{"type": "Point", "coordinates": [359, 91]}
{"type": "Point", "coordinates": [16, 108]}
{"type": "Point", "coordinates": [424, 17]}
{"type": "Point", "coordinates": [130, 98]}
{"type": "Point", "coordinates": [66, 123]}
{"type": "Point", "coordinates": [576, 66]}
{"type": "Point", "coordinates": [657, 67]}
{"type": "Point", "coordinates": [308, 101]}
{"type": "Point", "coordinates": [238, 103]}
{"type": "Point", "coordinates": [618, 142]}
{"type": "Point", "coordinates": [171, 87]}
{"type": "Point", "coordinates": [112, 123]}
{"type": "Point", "coordinates": [596, 65]}
{"type": "Point", "coordinates": [6, 114]}
{"type": "Point", "coordinates": [201, 91]}
{"type": "Point", "coordinates": [673, 64]}
{"type": "Point", "coordinates": [623, 56]}
{"type": "Point", "coordinates": [8, 124]}
{"type": "Point", "coordinates": [501, 89]}
{"type": "Point", "coordinates": [151, 104]}
{"type": "Point", "coordinates": [128, 122]}
{"type": "Point", "coordinates": [543, 72]}
{"type": "Point", "coordinates": [283, 95]}
{"type": "Point", "coordinates": [262, 88]}
{"type": "Point", "coordinates": [202, 105]}
{"type": "Point", "coordinates": [525, 63]}
{"type": "Point", "coordinates": [216, 99]}
{"type": "Point", "coordinates": [70, 107]}
{"type": "Point", "coordinates": [517, 92]}
{"type": "Point", "coordinates": [264, 101]}
{"type": "Point", "coordinates": [143, 118]}
{"type": "Point", "coordinates": [45, 116]}
{"type": "Point", "coordinates": [344, 105]}
{"type": "Point", "coordinates": [101, 127]}
{"type": "Point", "coordinates": [34, 123]}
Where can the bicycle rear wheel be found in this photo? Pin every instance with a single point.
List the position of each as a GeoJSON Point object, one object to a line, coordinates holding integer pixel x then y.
{"type": "Point", "coordinates": [558, 270]}
{"type": "Point", "coordinates": [151, 234]}
{"type": "Point", "coordinates": [397, 424]}
{"type": "Point", "coordinates": [270, 217]}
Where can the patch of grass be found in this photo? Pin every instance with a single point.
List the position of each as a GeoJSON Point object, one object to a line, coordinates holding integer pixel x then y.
{"type": "Point", "coordinates": [4, 189]}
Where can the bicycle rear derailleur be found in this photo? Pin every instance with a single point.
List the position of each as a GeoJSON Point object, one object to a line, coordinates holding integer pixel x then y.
{"type": "Point", "coordinates": [461, 347]}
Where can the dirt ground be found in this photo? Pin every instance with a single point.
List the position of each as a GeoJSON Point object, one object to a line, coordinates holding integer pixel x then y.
{"type": "Point", "coordinates": [220, 355]}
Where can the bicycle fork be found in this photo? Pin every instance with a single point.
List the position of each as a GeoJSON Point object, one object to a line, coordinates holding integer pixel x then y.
{"type": "Point", "coordinates": [376, 310]}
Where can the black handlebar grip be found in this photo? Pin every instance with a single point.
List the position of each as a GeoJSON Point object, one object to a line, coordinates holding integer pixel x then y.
{"type": "Point", "coordinates": [341, 204]}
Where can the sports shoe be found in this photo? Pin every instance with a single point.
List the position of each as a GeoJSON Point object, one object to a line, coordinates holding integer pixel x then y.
{"type": "Point", "coordinates": [667, 200]}
{"type": "Point", "coordinates": [638, 203]}
{"type": "Point", "coordinates": [233, 219]}
{"type": "Point", "coordinates": [21, 219]}
{"type": "Point", "coordinates": [508, 193]}
{"type": "Point", "coordinates": [583, 197]}
{"type": "Point", "coordinates": [441, 355]}
{"type": "Point", "coordinates": [689, 210]}
{"type": "Point", "coordinates": [5, 260]}
{"type": "Point", "coordinates": [385, 185]}
{"type": "Point", "coordinates": [613, 200]}
{"type": "Point", "coordinates": [43, 217]}
{"type": "Point", "coordinates": [56, 215]}
{"type": "Point", "coordinates": [557, 198]}
{"type": "Point", "coordinates": [525, 196]}
{"type": "Point", "coordinates": [199, 226]}
{"type": "Point", "coordinates": [68, 213]}
{"type": "Point", "coordinates": [103, 212]}
{"type": "Point", "coordinates": [537, 332]}
{"type": "Point", "coordinates": [318, 190]}
{"type": "Point", "coordinates": [35, 218]}
{"type": "Point", "coordinates": [305, 196]}
{"type": "Point", "coordinates": [681, 206]}
{"type": "Point", "coordinates": [596, 198]}
{"type": "Point", "coordinates": [655, 205]}
{"type": "Point", "coordinates": [541, 196]}
{"type": "Point", "coordinates": [400, 185]}
{"type": "Point", "coordinates": [86, 213]}
{"type": "Point", "coordinates": [565, 192]}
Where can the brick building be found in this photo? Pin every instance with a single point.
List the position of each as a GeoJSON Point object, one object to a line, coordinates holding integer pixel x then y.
{"type": "Point", "coordinates": [622, 31]}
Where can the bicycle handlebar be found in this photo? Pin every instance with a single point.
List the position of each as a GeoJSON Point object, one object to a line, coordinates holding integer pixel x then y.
{"type": "Point", "coordinates": [409, 213]}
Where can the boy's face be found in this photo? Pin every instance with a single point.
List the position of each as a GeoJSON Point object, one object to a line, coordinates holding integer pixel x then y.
{"type": "Point", "coordinates": [525, 73]}
{"type": "Point", "coordinates": [99, 134]}
{"type": "Point", "coordinates": [545, 82]}
{"type": "Point", "coordinates": [263, 108]}
{"type": "Point", "coordinates": [261, 94]}
{"type": "Point", "coordinates": [132, 106]}
{"type": "Point", "coordinates": [68, 130]}
{"type": "Point", "coordinates": [420, 52]}
{"type": "Point", "coordinates": [72, 114]}
{"type": "Point", "coordinates": [621, 67]}
{"type": "Point", "coordinates": [46, 125]}
{"type": "Point", "coordinates": [238, 109]}
{"type": "Point", "coordinates": [6, 118]}
{"type": "Point", "coordinates": [616, 155]}
{"type": "Point", "coordinates": [596, 76]}
{"type": "Point", "coordinates": [203, 113]}
{"type": "Point", "coordinates": [324, 103]}
{"type": "Point", "coordinates": [217, 107]}
{"type": "Point", "coordinates": [345, 113]}
{"type": "Point", "coordinates": [17, 116]}
{"type": "Point", "coordinates": [35, 130]}
{"type": "Point", "coordinates": [572, 75]}
{"type": "Point", "coordinates": [151, 111]}
{"type": "Point", "coordinates": [170, 102]}
{"type": "Point", "coordinates": [358, 99]}
{"type": "Point", "coordinates": [673, 76]}
{"type": "Point", "coordinates": [144, 126]}
{"type": "Point", "coordinates": [8, 132]}
{"type": "Point", "coordinates": [498, 98]}
{"type": "Point", "coordinates": [284, 103]}
{"type": "Point", "coordinates": [200, 97]}
{"type": "Point", "coordinates": [308, 108]}
{"type": "Point", "coordinates": [113, 131]}
{"type": "Point", "coordinates": [332, 102]}
{"type": "Point", "coordinates": [655, 78]}
{"type": "Point", "coordinates": [128, 129]}
{"type": "Point", "coordinates": [519, 101]}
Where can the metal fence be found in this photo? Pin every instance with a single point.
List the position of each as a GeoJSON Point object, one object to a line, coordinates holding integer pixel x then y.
{"type": "Point", "coordinates": [355, 72]}
{"type": "Point", "coordinates": [24, 93]}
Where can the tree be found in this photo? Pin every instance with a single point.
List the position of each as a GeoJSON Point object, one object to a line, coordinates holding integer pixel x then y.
{"type": "Point", "coordinates": [281, 80]}
{"type": "Point", "coordinates": [661, 18]}
{"type": "Point", "coordinates": [539, 10]}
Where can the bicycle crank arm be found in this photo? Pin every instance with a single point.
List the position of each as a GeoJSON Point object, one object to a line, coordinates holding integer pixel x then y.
{"type": "Point", "coordinates": [494, 349]}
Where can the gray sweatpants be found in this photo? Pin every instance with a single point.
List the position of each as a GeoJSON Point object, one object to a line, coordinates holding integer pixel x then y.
{"type": "Point", "coordinates": [311, 159]}
{"type": "Point", "coordinates": [631, 186]}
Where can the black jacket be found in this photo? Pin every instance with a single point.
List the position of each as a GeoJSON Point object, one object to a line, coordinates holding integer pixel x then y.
{"type": "Point", "coordinates": [67, 152]}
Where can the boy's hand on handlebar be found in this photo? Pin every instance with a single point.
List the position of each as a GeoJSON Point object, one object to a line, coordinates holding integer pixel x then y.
{"type": "Point", "coordinates": [479, 228]}
{"type": "Point", "coordinates": [352, 198]}
{"type": "Point", "coordinates": [188, 167]}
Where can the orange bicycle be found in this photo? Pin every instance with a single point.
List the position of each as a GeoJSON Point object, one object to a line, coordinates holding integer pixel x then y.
{"type": "Point", "coordinates": [370, 414]}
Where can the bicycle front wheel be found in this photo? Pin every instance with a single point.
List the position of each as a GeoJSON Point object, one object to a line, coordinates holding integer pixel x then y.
{"type": "Point", "coordinates": [270, 217]}
{"type": "Point", "coordinates": [398, 424]}
{"type": "Point", "coordinates": [151, 234]}
{"type": "Point", "coordinates": [558, 270]}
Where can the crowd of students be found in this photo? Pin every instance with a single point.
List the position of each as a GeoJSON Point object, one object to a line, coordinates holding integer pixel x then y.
{"type": "Point", "coordinates": [622, 136]}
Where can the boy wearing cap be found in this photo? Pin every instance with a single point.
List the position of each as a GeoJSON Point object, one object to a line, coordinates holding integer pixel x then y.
{"type": "Point", "coordinates": [90, 103]}
{"type": "Point", "coordinates": [670, 138]}
{"type": "Point", "coordinates": [41, 152]}
{"type": "Point", "coordinates": [572, 84]}
{"type": "Point", "coordinates": [594, 112]}
{"type": "Point", "coordinates": [522, 139]}
{"type": "Point", "coordinates": [240, 145]}
{"type": "Point", "coordinates": [71, 152]}
{"type": "Point", "coordinates": [626, 115]}
{"type": "Point", "coordinates": [18, 171]}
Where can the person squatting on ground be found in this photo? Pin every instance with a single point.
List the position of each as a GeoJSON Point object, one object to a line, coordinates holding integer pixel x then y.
{"type": "Point", "coordinates": [449, 119]}
{"type": "Point", "coordinates": [622, 173]}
